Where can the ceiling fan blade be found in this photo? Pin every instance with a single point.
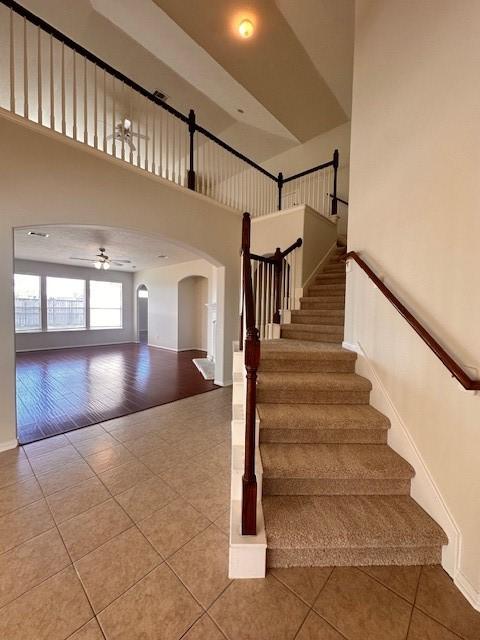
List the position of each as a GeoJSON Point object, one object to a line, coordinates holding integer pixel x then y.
{"type": "Point", "coordinates": [121, 260]}
{"type": "Point", "coordinates": [140, 135]}
{"type": "Point", "coordinates": [85, 259]}
{"type": "Point", "coordinates": [118, 264]}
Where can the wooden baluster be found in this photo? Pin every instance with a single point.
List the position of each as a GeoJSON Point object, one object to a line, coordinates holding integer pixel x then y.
{"type": "Point", "coordinates": [25, 69]}
{"type": "Point", "coordinates": [74, 98]}
{"type": "Point", "coordinates": [52, 88]}
{"type": "Point", "coordinates": [95, 108]}
{"type": "Point", "coordinates": [64, 121]}
{"type": "Point", "coordinates": [39, 76]}
{"type": "Point", "coordinates": [85, 102]}
{"type": "Point", "coordinates": [12, 63]}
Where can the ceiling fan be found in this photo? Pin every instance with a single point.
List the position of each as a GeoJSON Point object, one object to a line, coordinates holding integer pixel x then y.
{"type": "Point", "coordinates": [102, 261]}
{"type": "Point", "coordinates": [124, 131]}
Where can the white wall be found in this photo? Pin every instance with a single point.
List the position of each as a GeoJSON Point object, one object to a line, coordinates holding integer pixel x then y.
{"type": "Point", "coordinates": [177, 315]}
{"type": "Point", "coordinates": [77, 338]}
{"type": "Point", "coordinates": [45, 179]}
{"type": "Point", "coordinates": [414, 216]}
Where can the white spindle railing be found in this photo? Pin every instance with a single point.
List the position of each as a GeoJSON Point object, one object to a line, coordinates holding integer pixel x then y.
{"type": "Point", "coordinates": [50, 80]}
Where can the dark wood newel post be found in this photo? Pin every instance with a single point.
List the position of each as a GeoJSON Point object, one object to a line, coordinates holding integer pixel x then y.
{"type": "Point", "coordinates": [335, 172]}
{"type": "Point", "coordinates": [252, 359]}
{"type": "Point", "coordinates": [278, 260]}
{"type": "Point", "coordinates": [191, 129]}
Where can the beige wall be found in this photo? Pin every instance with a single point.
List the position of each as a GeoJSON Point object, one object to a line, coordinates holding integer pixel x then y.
{"type": "Point", "coordinates": [177, 295]}
{"type": "Point", "coordinates": [415, 217]}
{"type": "Point", "coordinates": [46, 180]}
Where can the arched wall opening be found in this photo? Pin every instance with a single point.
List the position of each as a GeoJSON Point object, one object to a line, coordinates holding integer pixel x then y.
{"type": "Point", "coordinates": [69, 184]}
{"type": "Point", "coordinates": [142, 314]}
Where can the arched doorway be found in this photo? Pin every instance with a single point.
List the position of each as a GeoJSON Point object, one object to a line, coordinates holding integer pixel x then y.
{"type": "Point", "coordinates": [142, 314]}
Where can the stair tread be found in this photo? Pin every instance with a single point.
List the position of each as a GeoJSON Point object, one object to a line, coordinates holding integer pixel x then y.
{"type": "Point", "coordinates": [333, 462]}
{"type": "Point", "coordinates": [316, 381]}
{"type": "Point", "coordinates": [329, 313]}
{"type": "Point", "coordinates": [348, 522]}
{"type": "Point", "coordinates": [286, 349]}
{"type": "Point", "coordinates": [321, 416]}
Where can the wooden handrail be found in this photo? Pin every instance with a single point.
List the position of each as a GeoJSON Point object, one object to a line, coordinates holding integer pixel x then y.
{"type": "Point", "coordinates": [283, 254]}
{"type": "Point", "coordinates": [454, 368]}
{"type": "Point", "coordinates": [252, 360]}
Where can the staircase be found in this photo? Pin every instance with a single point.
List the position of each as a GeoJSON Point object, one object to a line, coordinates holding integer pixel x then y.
{"type": "Point", "coordinates": [334, 492]}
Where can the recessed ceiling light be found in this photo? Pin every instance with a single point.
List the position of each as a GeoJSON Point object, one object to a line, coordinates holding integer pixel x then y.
{"type": "Point", "coordinates": [162, 256]}
{"type": "Point", "coordinates": [39, 234]}
{"type": "Point", "coordinates": [245, 28]}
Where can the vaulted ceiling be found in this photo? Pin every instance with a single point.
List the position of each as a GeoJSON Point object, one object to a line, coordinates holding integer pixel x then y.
{"type": "Point", "coordinates": [287, 84]}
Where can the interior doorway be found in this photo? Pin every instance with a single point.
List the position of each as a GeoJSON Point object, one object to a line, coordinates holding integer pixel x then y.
{"type": "Point", "coordinates": [142, 314]}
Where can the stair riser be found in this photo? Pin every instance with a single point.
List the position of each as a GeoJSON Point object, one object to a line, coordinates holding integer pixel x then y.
{"type": "Point", "coordinates": [307, 396]}
{"type": "Point", "coordinates": [296, 319]}
{"type": "Point", "coordinates": [311, 337]}
{"type": "Point", "coordinates": [308, 366]}
{"type": "Point", "coordinates": [277, 558]}
{"type": "Point", "coordinates": [323, 436]}
{"type": "Point", "coordinates": [336, 305]}
{"type": "Point", "coordinates": [333, 487]}
{"type": "Point", "coordinates": [330, 279]}
{"type": "Point", "coordinates": [320, 290]}
{"type": "Point", "coordinates": [334, 267]}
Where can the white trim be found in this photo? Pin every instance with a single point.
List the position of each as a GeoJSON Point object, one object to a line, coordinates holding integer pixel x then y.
{"type": "Point", "coordinates": [424, 489]}
{"type": "Point", "coordinates": [319, 266]}
{"type": "Point", "coordinates": [9, 444]}
{"type": "Point", "coordinates": [223, 383]}
{"type": "Point", "coordinates": [78, 346]}
{"type": "Point", "coordinates": [468, 590]}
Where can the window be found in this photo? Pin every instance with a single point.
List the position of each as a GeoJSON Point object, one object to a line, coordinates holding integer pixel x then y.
{"type": "Point", "coordinates": [28, 313]}
{"type": "Point", "coordinates": [105, 305]}
{"type": "Point", "coordinates": [65, 304]}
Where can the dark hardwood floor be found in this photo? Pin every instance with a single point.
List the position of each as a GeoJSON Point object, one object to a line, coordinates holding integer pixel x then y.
{"type": "Point", "coordinates": [64, 389]}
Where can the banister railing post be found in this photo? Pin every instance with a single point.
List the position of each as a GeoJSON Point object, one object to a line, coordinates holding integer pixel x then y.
{"type": "Point", "coordinates": [192, 127]}
{"type": "Point", "coordinates": [249, 479]}
{"type": "Point", "coordinates": [335, 172]}
{"type": "Point", "coordinates": [278, 259]}
{"type": "Point", "coordinates": [280, 188]}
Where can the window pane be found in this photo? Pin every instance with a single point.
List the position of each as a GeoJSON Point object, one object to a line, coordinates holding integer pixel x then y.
{"type": "Point", "coordinates": [105, 305]}
{"type": "Point", "coordinates": [65, 303]}
{"type": "Point", "coordinates": [28, 315]}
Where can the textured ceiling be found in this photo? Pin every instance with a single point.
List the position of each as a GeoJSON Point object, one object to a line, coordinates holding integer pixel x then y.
{"type": "Point", "coordinates": [65, 242]}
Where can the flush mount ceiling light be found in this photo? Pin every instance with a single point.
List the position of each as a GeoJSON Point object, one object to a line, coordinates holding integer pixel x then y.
{"type": "Point", "coordinates": [246, 28]}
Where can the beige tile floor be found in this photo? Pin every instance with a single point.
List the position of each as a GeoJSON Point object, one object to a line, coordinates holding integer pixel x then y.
{"type": "Point", "coordinates": [120, 532]}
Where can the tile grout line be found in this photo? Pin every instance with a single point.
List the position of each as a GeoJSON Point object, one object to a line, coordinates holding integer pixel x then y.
{"type": "Point", "coordinates": [360, 568]}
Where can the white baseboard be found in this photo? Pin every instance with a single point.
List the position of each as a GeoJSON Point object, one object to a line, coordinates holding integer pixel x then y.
{"type": "Point", "coordinates": [424, 489]}
{"type": "Point", "coordinates": [9, 444]}
{"type": "Point", "coordinates": [223, 383]}
{"type": "Point", "coordinates": [468, 590]}
{"type": "Point", "coordinates": [78, 346]}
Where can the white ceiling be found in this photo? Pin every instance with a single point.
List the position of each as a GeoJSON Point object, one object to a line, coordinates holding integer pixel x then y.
{"type": "Point", "coordinates": [65, 242]}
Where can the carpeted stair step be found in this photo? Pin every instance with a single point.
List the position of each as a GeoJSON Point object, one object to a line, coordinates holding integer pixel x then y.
{"type": "Point", "coordinates": [318, 316]}
{"type": "Point", "coordinates": [312, 332]}
{"type": "Point", "coordinates": [338, 266]}
{"type": "Point", "coordinates": [322, 302]}
{"type": "Point", "coordinates": [317, 423]}
{"type": "Point", "coordinates": [333, 289]}
{"type": "Point", "coordinates": [307, 531]}
{"type": "Point", "coordinates": [331, 278]}
{"type": "Point", "coordinates": [293, 356]}
{"type": "Point", "coordinates": [313, 388]}
{"type": "Point", "coordinates": [334, 469]}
